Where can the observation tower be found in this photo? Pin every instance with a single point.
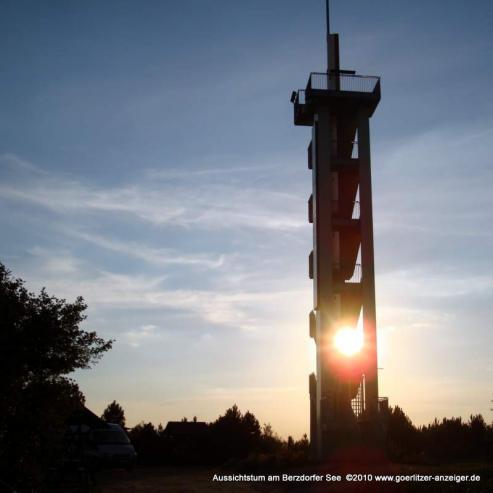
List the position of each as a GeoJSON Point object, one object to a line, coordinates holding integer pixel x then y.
{"type": "Point", "coordinates": [338, 104]}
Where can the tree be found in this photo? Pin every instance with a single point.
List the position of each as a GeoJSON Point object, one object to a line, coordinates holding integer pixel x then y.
{"type": "Point", "coordinates": [270, 441]}
{"type": "Point", "coordinates": [32, 436]}
{"type": "Point", "coordinates": [41, 342]}
{"type": "Point", "coordinates": [236, 435]}
{"type": "Point", "coordinates": [41, 335]}
{"type": "Point", "coordinates": [148, 443]}
{"type": "Point", "coordinates": [402, 435]}
{"type": "Point", "coordinates": [114, 413]}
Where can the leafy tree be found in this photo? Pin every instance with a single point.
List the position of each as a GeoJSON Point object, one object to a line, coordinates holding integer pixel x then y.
{"type": "Point", "coordinates": [40, 342]}
{"type": "Point", "coordinates": [41, 336]}
{"type": "Point", "coordinates": [114, 413]}
{"type": "Point", "coordinates": [32, 436]}
{"type": "Point", "coordinates": [236, 435]}
{"type": "Point", "coordinates": [147, 442]}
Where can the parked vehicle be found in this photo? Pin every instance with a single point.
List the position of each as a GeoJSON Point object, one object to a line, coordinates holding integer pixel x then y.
{"type": "Point", "coordinates": [109, 447]}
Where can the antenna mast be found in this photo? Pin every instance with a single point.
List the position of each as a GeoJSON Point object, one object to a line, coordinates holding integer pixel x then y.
{"type": "Point", "coordinates": [327, 26]}
{"type": "Point", "coordinates": [332, 44]}
{"type": "Point", "coordinates": [327, 17]}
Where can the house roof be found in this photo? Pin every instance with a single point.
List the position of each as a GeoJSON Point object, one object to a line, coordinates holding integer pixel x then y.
{"type": "Point", "coordinates": [85, 416]}
{"type": "Point", "coordinates": [185, 428]}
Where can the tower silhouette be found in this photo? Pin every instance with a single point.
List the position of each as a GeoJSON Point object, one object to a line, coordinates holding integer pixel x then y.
{"type": "Point", "coordinates": [337, 105]}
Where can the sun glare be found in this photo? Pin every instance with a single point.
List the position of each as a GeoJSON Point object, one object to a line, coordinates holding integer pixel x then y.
{"type": "Point", "coordinates": [348, 341]}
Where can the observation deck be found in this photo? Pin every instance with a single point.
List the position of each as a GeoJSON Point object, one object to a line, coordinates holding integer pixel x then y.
{"type": "Point", "coordinates": [344, 87]}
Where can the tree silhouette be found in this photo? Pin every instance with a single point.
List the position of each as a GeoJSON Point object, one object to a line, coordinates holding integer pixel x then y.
{"type": "Point", "coordinates": [270, 441]}
{"type": "Point", "coordinates": [147, 442]}
{"type": "Point", "coordinates": [402, 435]}
{"type": "Point", "coordinates": [448, 440]}
{"type": "Point", "coordinates": [40, 342]}
{"type": "Point", "coordinates": [114, 413]}
{"type": "Point", "coordinates": [236, 435]}
{"type": "Point", "coordinates": [41, 336]}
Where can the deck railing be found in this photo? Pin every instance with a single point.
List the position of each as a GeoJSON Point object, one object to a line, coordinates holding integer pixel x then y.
{"type": "Point", "coordinates": [342, 82]}
{"type": "Point", "coordinates": [300, 97]}
{"type": "Point", "coordinates": [358, 403]}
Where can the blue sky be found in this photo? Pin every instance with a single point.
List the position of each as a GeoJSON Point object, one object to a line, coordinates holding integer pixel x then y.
{"type": "Point", "coordinates": [149, 162]}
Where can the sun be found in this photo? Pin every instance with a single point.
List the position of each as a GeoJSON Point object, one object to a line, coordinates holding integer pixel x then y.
{"type": "Point", "coordinates": [348, 341]}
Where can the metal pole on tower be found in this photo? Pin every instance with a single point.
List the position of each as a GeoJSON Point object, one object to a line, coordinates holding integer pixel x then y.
{"type": "Point", "coordinates": [327, 38]}
{"type": "Point", "coordinates": [327, 17]}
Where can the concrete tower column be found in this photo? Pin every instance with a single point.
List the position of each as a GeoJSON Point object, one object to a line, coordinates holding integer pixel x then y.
{"type": "Point", "coordinates": [367, 264]}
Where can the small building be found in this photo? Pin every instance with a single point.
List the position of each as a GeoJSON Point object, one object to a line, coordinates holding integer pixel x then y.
{"type": "Point", "coordinates": [186, 429]}
{"type": "Point", "coordinates": [84, 420]}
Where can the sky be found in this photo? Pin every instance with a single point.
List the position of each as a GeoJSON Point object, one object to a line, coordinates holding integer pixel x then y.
{"type": "Point", "coordinates": [149, 162]}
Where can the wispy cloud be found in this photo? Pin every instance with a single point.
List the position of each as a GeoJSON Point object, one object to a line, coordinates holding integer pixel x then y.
{"type": "Point", "coordinates": [144, 333]}
{"type": "Point", "coordinates": [211, 171]}
{"type": "Point", "coordinates": [213, 204]}
{"type": "Point", "coordinates": [251, 310]}
{"type": "Point", "coordinates": [234, 288]}
{"type": "Point", "coordinates": [158, 256]}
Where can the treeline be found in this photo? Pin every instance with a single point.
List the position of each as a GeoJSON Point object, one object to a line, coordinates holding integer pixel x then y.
{"type": "Point", "coordinates": [448, 440]}
{"type": "Point", "coordinates": [239, 438]}
{"type": "Point", "coordinates": [233, 437]}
